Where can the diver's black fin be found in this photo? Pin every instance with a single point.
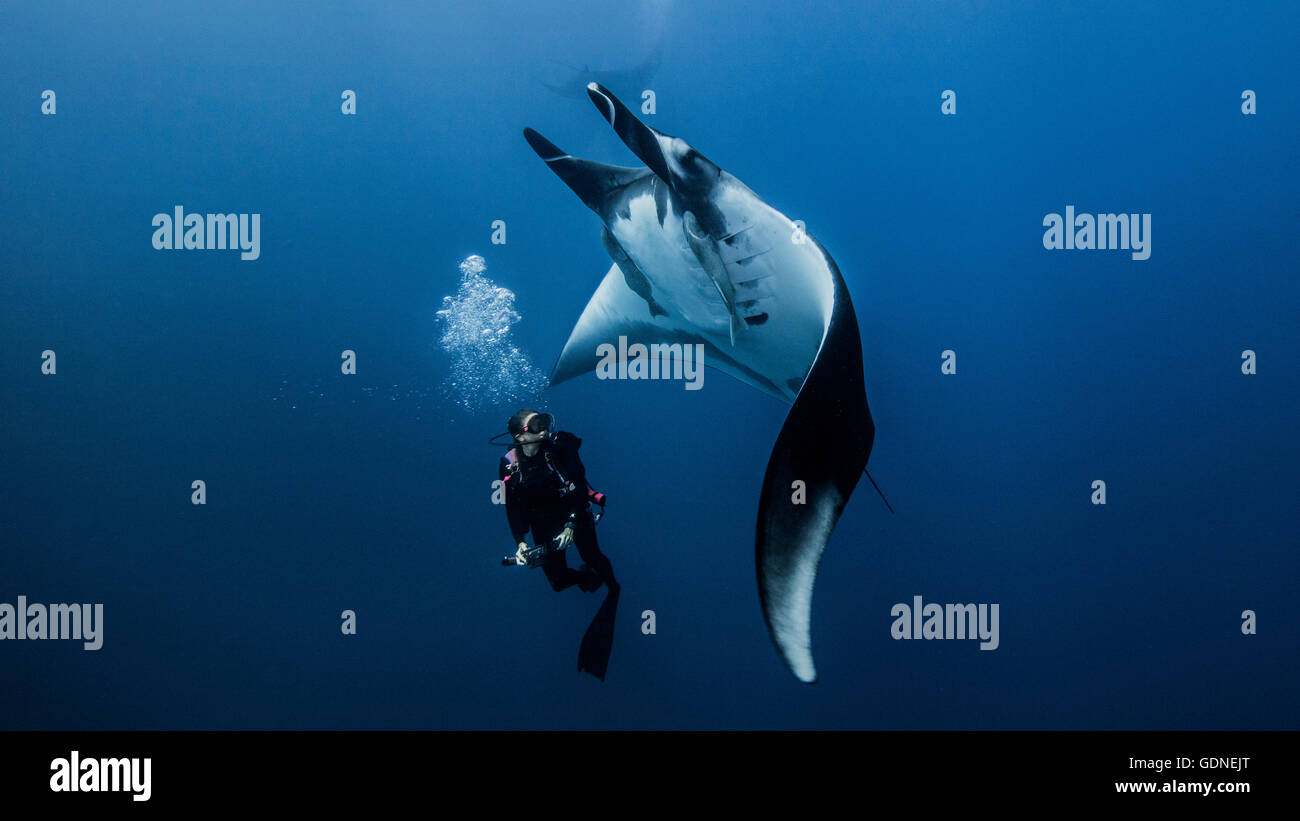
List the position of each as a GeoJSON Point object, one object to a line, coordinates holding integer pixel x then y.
{"type": "Point", "coordinates": [593, 655]}
{"type": "Point", "coordinates": [593, 182]}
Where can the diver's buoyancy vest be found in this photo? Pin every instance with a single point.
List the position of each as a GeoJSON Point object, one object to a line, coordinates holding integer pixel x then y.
{"type": "Point", "coordinates": [539, 471]}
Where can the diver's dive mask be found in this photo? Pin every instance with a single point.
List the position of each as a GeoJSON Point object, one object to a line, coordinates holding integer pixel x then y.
{"type": "Point", "coordinates": [542, 423]}
{"type": "Point", "coordinates": [532, 422]}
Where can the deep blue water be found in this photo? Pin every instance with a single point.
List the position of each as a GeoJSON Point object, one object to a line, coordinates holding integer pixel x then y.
{"type": "Point", "coordinates": [371, 492]}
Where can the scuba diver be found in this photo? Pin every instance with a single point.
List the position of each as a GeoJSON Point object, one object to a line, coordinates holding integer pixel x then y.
{"type": "Point", "coordinates": [546, 491]}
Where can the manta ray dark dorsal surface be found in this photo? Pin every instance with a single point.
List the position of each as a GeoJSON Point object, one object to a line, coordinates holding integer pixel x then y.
{"type": "Point", "coordinates": [825, 442]}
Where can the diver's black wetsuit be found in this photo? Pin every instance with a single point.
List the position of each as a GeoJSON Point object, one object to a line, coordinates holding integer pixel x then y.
{"type": "Point", "coordinates": [543, 493]}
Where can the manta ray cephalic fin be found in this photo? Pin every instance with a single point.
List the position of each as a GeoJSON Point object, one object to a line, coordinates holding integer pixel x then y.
{"type": "Point", "coordinates": [593, 182]}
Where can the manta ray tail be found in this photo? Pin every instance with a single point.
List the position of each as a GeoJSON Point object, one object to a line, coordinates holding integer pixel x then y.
{"type": "Point", "coordinates": [824, 443]}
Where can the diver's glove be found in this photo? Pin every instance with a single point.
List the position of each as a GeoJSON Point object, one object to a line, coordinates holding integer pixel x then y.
{"type": "Point", "coordinates": [565, 538]}
{"type": "Point", "coordinates": [519, 554]}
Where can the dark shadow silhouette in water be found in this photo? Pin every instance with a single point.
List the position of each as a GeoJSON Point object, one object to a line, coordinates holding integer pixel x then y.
{"type": "Point", "coordinates": [598, 642]}
{"type": "Point", "coordinates": [635, 77]}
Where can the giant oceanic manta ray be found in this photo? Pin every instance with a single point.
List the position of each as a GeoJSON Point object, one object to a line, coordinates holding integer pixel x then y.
{"type": "Point", "coordinates": [700, 259]}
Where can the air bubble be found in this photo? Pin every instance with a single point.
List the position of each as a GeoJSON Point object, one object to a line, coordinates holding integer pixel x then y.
{"type": "Point", "coordinates": [486, 370]}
